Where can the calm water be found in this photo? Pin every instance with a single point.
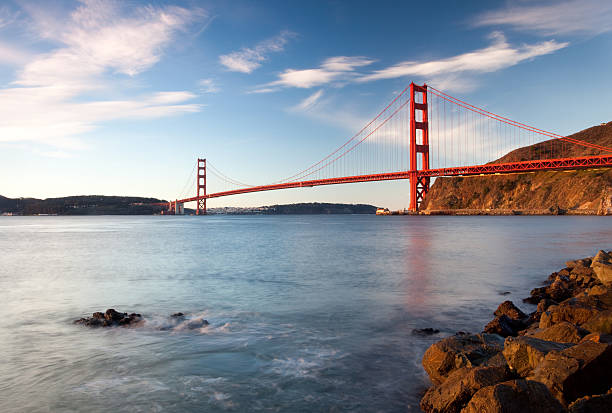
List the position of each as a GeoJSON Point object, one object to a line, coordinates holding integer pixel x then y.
{"type": "Point", "coordinates": [307, 313]}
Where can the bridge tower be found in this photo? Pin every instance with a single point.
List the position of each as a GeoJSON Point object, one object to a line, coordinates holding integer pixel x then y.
{"type": "Point", "coordinates": [201, 191]}
{"type": "Point", "coordinates": [419, 144]}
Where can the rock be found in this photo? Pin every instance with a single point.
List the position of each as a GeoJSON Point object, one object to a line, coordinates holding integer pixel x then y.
{"type": "Point", "coordinates": [457, 390]}
{"type": "Point", "coordinates": [111, 318]}
{"type": "Point", "coordinates": [598, 338]}
{"type": "Point", "coordinates": [536, 295]}
{"type": "Point", "coordinates": [504, 326]}
{"type": "Point", "coordinates": [177, 315]}
{"type": "Point", "coordinates": [601, 323]}
{"type": "Point", "coordinates": [514, 396]}
{"type": "Point", "coordinates": [509, 309]}
{"type": "Point", "coordinates": [465, 350]}
{"type": "Point", "coordinates": [598, 290]}
{"type": "Point", "coordinates": [602, 267]}
{"type": "Point", "coordinates": [545, 303]}
{"type": "Point", "coordinates": [428, 331]}
{"type": "Point", "coordinates": [601, 403]}
{"type": "Point", "coordinates": [562, 332]}
{"type": "Point", "coordinates": [504, 293]}
{"type": "Point", "coordinates": [577, 371]}
{"type": "Point", "coordinates": [196, 323]}
{"type": "Point", "coordinates": [523, 354]}
{"type": "Point", "coordinates": [576, 310]}
{"type": "Point", "coordinates": [583, 262]}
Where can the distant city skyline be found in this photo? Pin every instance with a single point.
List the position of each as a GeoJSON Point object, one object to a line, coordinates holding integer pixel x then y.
{"type": "Point", "coordinates": [121, 98]}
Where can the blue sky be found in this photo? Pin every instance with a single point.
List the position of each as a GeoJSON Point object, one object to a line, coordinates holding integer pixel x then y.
{"type": "Point", "coordinates": [120, 98]}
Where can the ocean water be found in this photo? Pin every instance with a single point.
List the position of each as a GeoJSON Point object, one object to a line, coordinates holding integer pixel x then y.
{"type": "Point", "coordinates": [307, 313]}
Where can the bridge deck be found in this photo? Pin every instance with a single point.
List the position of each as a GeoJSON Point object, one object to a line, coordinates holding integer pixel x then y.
{"type": "Point", "coordinates": [587, 162]}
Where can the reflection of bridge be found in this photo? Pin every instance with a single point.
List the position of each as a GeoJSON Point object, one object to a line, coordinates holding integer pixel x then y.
{"type": "Point", "coordinates": [425, 133]}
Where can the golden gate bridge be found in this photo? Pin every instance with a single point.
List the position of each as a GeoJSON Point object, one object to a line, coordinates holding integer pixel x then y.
{"type": "Point", "coordinates": [422, 134]}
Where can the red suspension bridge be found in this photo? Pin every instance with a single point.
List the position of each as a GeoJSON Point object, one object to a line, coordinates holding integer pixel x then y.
{"type": "Point", "coordinates": [422, 134]}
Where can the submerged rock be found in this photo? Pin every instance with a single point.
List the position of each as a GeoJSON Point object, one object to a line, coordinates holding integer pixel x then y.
{"type": "Point", "coordinates": [428, 331]}
{"type": "Point", "coordinates": [111, 318]}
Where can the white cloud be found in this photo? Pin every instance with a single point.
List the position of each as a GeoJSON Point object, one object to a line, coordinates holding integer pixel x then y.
{"type": "Point", "coordinates": [208, 86]}
{"type": "Point", "coordinates": [498, 56]}
{"type": "Point", "coordinates": [247, 59]}
{"type": "Point", "coordinates": [572, 16]}
{"type": "Point", "coordinates": [309, 102]}
{"type": "Point", "coordinates": [61, 94]}
{"type": "Point", "coordinates": [332, 69]}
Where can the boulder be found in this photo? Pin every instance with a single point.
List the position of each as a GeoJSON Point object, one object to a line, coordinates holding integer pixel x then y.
{"type": "Point", "coordinates": [544, 304]}
{"type": "Point", "coordinates": [577, 371]}
{"type": "Point", "coordinates": [602, 267]}
{"type": "Point", "coordinates": [601, 323]}
{"type": "Point", "coordinates": [583, 262]}
{"type": "Point", "coordinates": [597, 290]}
{"type": "Point", "coordinates": [523, 354]}
{"type": "Point", "coordinates": [461, 350]}
{"type": "Point", "coordinates": [509, 309]}
{"type": "Point", "coordinates": [601, 403]}
{"type": "Point", "coordinates": [504, 326]}
{"type": "Point", "coordinates": [576, 310]}
{"type": "Point", "coordinates": [457, 390]}
{"type": "Point", "coordinates": [514, 396]}
{"type": "Point", "coordinates": [562, 332]}
{"type": "Point", "coordinates": [598, 338]}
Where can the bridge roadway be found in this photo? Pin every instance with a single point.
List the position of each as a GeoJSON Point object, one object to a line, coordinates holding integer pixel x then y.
{"type": "Point", "coordinates": [586, 162]}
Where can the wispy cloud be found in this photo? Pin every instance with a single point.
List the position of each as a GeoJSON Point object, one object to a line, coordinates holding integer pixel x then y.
{"type": "Point", "coordinates": [309, 102]}
{"type": "Point", "coordinates": [60, 94]}
{"type": "Point", "coordinates": [248, 59]}
{"type": "Point", "coordinates": [499, 55]}
{"type": "Point", "coordinates": [566, 17]}
{"type": "Point", "coordinates": [339, 68]}
{"type": "Point", "coordinates": [208, 86]}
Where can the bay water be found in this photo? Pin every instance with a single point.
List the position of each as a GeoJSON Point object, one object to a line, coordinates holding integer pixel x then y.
{"type": "Point", "coordinates": [307, 313]}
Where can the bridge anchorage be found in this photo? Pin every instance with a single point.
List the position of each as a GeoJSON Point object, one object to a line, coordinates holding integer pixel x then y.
{"type": "Point", "coordinates": [422, 134]}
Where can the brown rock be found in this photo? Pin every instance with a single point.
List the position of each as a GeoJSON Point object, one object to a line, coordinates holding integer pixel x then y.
{"type": "Point", "coordinates": [577, 371]}
{"type": "Point", "coordinates": [598, 290]}
{"type": "Point", "coordinates": [602, 267]}
{"type": "Point", "coordinates": [584, 262]}
{"type": "Point", "coordinates": [562, 332]}
{"type": "Point", "coordinates": [601, 403]}
{"type": "Point", "coordinates": [545, 303]}
{"type": "Point", "coordinates": [601, 323]}
{"type": "Point", "coordinates": [509, 309]}
{"type": "Point", "coordinates": [452, 395]}
{"type": "Point", "coordinates": [514, 396]}
{"type": "Point", "coordinates": [576, 310]}
{"type": "Point", "coordinates": [523, 354]}
{"type": "Point", "coordinates": [504, 326]}
{"type": "Point", "coordinates": [466, 350]}
{"type": "Point", "coordinates": [597, 338]}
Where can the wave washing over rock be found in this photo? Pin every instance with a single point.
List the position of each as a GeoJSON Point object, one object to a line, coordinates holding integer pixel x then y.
{"type": "Point", "coordinates": [176, 322]}
{"type": "Point", "coordinates": [556, 359]}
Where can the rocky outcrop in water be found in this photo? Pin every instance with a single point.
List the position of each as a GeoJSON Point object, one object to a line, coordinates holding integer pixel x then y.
{"type": "Point", "coordinates": [111, 318]}
{"type": "Point", "coordinates": [556, 359]}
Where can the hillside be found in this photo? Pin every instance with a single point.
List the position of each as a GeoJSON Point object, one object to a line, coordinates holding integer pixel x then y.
{"type": "Point", "coordinates": [80, 205]}
{"type": "Point", "coordinates": [574, 192]}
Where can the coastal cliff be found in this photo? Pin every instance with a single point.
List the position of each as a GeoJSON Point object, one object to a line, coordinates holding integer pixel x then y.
{"type": "Point", "coordinates": [573, 192]}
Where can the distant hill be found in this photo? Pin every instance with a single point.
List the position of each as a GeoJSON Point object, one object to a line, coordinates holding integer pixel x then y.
{"type": "Point", "coordinates": [81, 205]}
{"type": "Point", "coordinates": [577, 192]}
{"type": "Point", "coordinates": [303, 208]}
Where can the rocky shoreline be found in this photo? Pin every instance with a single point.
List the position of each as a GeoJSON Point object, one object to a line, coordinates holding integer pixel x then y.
{"type": "Point", "coordinates": [555, 359]}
